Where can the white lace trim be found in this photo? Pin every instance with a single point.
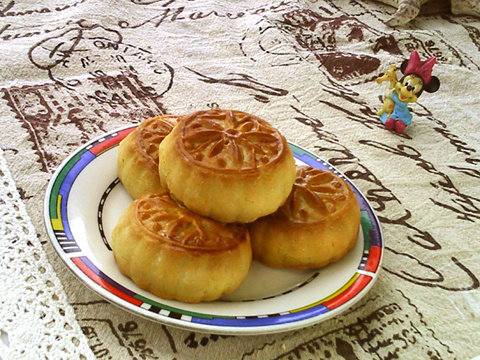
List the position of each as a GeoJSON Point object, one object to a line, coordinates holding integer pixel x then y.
{"type": "Point", "coordinates": [35, 317]}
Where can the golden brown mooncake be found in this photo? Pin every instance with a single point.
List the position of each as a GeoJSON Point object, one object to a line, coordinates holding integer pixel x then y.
{"type": "Point", "coordinates": [176, 254]}
{"type": "Point", "coordinates": [227, 165]}
{"type": "Point", "coordinates": [317, 225]}
{"type": "Point", "coordinates": [137, 162]}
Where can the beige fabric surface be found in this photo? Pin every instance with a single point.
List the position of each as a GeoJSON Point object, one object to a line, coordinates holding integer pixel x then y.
{"type": "Point", "coordinates": [74, 70]}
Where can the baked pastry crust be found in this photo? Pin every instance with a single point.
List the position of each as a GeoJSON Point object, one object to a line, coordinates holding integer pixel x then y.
{"type": "Point", "coordinates": [227, 165]}
{"type": "Point", "coordinates": [137, 162]}
{"type": "Point", "coordinates": [316, 226]}
{"type": "Point", "coordinates": [176, 254]}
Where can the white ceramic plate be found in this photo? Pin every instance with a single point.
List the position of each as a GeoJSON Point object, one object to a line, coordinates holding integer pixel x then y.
{"type": "Point", "coordinates": [84, 200]}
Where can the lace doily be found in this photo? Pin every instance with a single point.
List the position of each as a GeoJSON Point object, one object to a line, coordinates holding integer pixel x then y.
{"type": "Point", "coordinates": [32, 293]}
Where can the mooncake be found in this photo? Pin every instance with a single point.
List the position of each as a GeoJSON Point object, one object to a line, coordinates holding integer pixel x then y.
{"type": "Point", "coordinates": [228, 165]}
{"type": "Point", "coordinates": [317, 225]}
{"type": "Point", "coordinates": [137, 161]}
{"type": "Point", "coordinates": [175, 254]}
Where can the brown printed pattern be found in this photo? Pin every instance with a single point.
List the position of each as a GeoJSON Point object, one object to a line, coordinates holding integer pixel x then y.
{"type": "Point", "coordinates": [49, 110]}
{"type": "Point", "coordinates": [110, 89]}
{"type": "Point", "coordinates": [97, 51]}
{"type": "Point", "coordinates": [132, 343]}
{"type": "Point", "coordinates": [309, 65]}
{"type": "Point", "coordinates": [394, 330]}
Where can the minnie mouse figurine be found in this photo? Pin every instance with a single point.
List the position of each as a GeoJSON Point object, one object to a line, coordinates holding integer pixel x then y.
{"type": "Point", "coordinates": [417, 77]}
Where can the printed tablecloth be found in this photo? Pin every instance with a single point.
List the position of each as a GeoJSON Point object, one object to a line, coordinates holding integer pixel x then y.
{"type": "Point", "coordinates": [74, 70]}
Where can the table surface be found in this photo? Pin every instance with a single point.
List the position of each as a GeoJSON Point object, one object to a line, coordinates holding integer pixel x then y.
{"type": "Point", "coordinates": [74, 70]}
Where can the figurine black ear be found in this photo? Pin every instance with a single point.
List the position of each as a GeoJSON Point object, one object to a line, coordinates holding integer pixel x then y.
{"type": "Point", "coordinates": [403, 66]}
{"type": "Point", "coordinates": [433, 85]}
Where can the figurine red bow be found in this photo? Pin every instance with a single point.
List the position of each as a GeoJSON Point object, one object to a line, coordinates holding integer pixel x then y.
{"type": "Point", "coordinates": [417, 76]}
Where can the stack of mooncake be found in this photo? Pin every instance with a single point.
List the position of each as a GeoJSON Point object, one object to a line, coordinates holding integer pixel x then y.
{"type": "Point", "coordinates": [215, 188]}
